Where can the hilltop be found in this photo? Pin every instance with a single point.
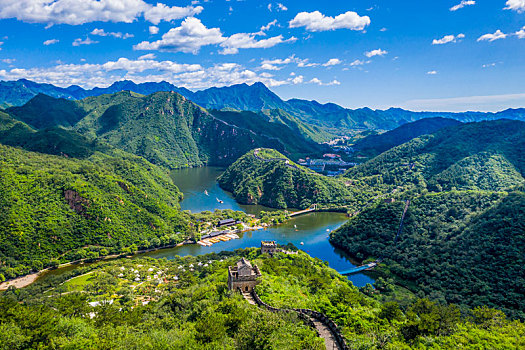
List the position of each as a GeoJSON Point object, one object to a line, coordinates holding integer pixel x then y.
{"type": "Point", "coordinates": [474, 156]}
{"type": "Point", "coordinates": [267, 177]}
{"type": "Point", "coordinates": [373, 145]}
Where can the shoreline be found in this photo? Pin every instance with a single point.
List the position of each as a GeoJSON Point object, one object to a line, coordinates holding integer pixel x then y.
{"type": "Point", "coordinates": [26, 280]}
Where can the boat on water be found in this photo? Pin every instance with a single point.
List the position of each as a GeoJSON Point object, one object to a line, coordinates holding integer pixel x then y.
{"type": "Point", "coordinates": [302, 243]}
{"type": "Point", "coordinates": [218, 200]}
{"type": "Point", "coordinates": [206, 192]}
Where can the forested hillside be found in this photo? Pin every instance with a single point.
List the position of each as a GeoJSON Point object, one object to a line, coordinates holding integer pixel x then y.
{"type": "Point", "coordinates": [60, 209]}
{"type": "Point", "coordinates": [184, 304]}
{"type": "Point", "coordinates": [165, 128]}
{"type": "Point", "coordinates": [485, 156]}
{"type": "Point", "coordinates": [375, 144]}
{"type": "Point", "coordinates": [464, 248]}
{"type": "Point", "coordinates": [273, 180]}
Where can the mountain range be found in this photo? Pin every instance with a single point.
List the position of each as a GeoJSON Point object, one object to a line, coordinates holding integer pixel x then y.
{"type": "Point", "coordinates": [332, 118]}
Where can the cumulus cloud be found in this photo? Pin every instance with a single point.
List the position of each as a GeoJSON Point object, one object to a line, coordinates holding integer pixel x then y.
{"type": "Point", "coordinates": [147, 69]}
{"type": "Point", "coordinates": [498, 34]}
{"type": "Point", "coordinates": [432, 72]}
{"type": "Point", "coordinates": [462, 4]}
{"type": "Point", "coordinates": [357, 63]}
{"type": "Point", "coordinates": [520, 33]}
{"type": "Point", "coordinates": [102, 32]}
{"type": "Point", "coordinates": [238, 41]}
{"type": "Point", "coordinates": [297, 80]}
{"type": "Point", "coordinates": [332, 62]}
{"type": "Point", "coordinates": [77, 12]}
{"type": "Point", "coordinates": [268, 26]}
{"type": "Point", "coordinates": [149, 56]}
{"type": "Point", "coordinates": [281, 7]}
{"type": "Point", "coordinates": [192, 35]}
{"type": "Point", "coordinates": [153, 30]}
{"type": "Point", "coordinates": [376, 52]}
{"type": "Point", "coordinates": [448, 39]}
{"type": "Point", "coordinates": [515, 5]}
{"type": "Point", "coordinates": [86, 41]}
{"type": "Point", "coordinates": [51, 42]}
{"type": "Point", "coordinates": [317, 22]}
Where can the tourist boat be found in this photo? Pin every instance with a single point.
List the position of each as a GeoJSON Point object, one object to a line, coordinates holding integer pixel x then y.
{"type": "Point", "coordinates": [206, 192]}
{"type": "Point", "coordinates": [302, 243]}
{"type": "Point", "coordinates": [218, 200]}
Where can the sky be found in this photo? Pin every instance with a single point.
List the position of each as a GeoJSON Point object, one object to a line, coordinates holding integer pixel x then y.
{"type": "Point", "coordinates": [442, 55]}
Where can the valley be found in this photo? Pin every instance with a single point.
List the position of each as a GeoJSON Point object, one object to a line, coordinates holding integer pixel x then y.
{"type": "Point", "coordinates": [95, 184]}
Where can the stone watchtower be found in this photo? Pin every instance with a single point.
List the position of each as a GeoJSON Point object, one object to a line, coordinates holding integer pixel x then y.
{"type": "Point", "coordinates": [243, 276]}
{"type": "Point", "coordinates": [268, 247]}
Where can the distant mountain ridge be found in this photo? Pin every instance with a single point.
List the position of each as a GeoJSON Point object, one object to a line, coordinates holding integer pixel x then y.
{"type": "Point", "coordinates": [256, 97]}
{"type": "Point", "coordinates": [164, 127]}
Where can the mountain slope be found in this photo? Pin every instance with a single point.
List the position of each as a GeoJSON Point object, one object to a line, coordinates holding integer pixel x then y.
{"type": "Point", "coordinates": [333, 119]}
{"type": "Point", "coordinates": [54, 206]}
{"type": "Point", "coordinates": [44, 111]}
{"type": "Point", "coordinates": [375, 144]}
{"type": "Point", "coordinates": [487, 155]}
{"type": "Point", "coordinates": [460, 247]}
{"type": "Point", "coordinates": [269, 178]}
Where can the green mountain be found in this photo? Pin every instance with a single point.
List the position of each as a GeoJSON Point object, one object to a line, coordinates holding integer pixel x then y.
{"type": "Point", "coordinates": [54, 207]}
{"type": "Point", "coordinates": [165, 127]}
{"type": "Point", "coordinates": [475, 156]}
{"type": "Point", "coordinates": [267, 177]}
{"type": "Point", "coordinates": [463, 247]}
{"type": "Point", "coordinates": [373, 145]}
{"type": "Point", "coordinates": [44, 111]}
{"type": "Point", "coordinates": [331, 118]}
{"type": "Point", "coordinates": [56, 140]}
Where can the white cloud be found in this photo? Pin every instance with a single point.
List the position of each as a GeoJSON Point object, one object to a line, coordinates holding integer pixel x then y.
{"type": "Point", "coordinates": [520, 33]}
{"type": "Point", "coordinates": [317, 22]}
{"type": "Point", "coordinates": [432, 72]}
{"type": "Point", "coordinates": [268, 66]}
{"type": "Point", "coordinates": [147, 69]}
{"type": "Point", "coordinates": [383, 29]}
{"type": "Point", "coordinates": [357, 63]}
{"type": "Point", "coordinates": [462, 4]}
{"type": "Point", "coordinates": [1, 43]}
{"type": "Point", "coordinates": [332, 62]}
{"type": "Point", "coordinates": [281, 7]}
{"type": "Point", "coordinates": [149, 56]}
{"type": "Point", "coordinates": [102, 32]}
{"type": "Point", "coordinates": [238, 41]}
{"type": "Point", "coordinates": [319, 82]}
{"type": "Point", "coordinates": [376, 52]}
{"type": "Point", "coordinates": [448, 39]}
{"type": "Point", "coordinates": [160, 12]}
{"type": "Point", "coordinates": [268, 26]}
{"type": "Point", "coordinates": [192, 35]}
{"type": "Point", "coordinates": [298, 80]}
{"type": "Point", "coordinates": [153, 30]}
{"type": "Point", "coordinates": [488, 65]}
{"type": "Point", "coordinates": [498, 34]}
{"type": "Point", "coordinates": [51, 42]}
{"type": "Point", "coordinates": [86, 41]}
{"type": "Point", "coordinates": [76, 12]}
{"type": "Point", "coordinates": [515, 5]}
{"type": "Point", "coordinates": [8, 60]}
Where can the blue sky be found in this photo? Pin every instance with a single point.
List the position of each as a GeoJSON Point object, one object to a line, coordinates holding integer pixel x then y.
{"type": "Point", "coordinates": [449, 55]}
